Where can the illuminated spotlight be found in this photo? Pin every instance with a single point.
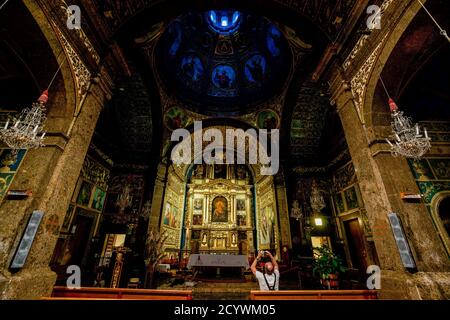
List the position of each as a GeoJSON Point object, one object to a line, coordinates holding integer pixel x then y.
{"type": "Point", "coordinates": [318, 222]}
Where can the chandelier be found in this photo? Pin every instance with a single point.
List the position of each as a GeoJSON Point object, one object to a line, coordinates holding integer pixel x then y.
{"type": "Point", "coordinates": [25, 130]}
{"type": "Point", "coordinates": [408, 138]}
{"type": "Point", "coordinates": [317, 201]}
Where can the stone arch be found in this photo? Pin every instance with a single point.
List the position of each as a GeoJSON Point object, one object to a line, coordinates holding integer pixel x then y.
{"type": "Point", "coordinates": [387, 47]}
{"type": "Point", "coordinates": [434, 208]}
{"type": "Point", "coordinates": [62, 94]}
{"type": "Point", "coordinates": [183, 170]}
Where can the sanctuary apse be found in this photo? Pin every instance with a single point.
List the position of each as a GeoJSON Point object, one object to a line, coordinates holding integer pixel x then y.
{"type": "Point", "coordinates": [101, 190]}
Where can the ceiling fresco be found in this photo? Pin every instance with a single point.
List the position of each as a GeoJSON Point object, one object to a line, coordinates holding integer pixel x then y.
{"type": "Point", "coordinates": [222, 60]}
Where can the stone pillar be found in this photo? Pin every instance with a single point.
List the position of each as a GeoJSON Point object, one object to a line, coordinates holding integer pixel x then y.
{"type": "Point", "coordinates": [51, 173]}
{"type": "Point", "coordinates": [381, 179]}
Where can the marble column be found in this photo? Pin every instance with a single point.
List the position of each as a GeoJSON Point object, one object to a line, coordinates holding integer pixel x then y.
{"type": "Point", "coordinates": [51, 174]}
{"type": "Point", "coordinates": [381, 179]}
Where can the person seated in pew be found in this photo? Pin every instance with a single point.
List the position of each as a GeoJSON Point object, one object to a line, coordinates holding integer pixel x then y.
{"type": "Point", "coordinates": [270, 279]}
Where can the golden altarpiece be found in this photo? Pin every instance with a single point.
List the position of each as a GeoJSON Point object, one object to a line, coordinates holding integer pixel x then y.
{"type": "Point", "coordinates": [220, 210]}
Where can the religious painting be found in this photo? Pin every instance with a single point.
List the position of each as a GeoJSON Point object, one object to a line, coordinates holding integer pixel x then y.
{"type": "Point", "coordinates": [241, 172]}
{"type": "Point", "coordinates": [10, 162]}
{"type": "Point", "coordinates": [167, 215]}
{"type": "Point", "coordinates": [175, 118]}
{"type": "Point", "coordinates": [197, 220]}
{"type": "Point", "coordinates": [84, 196]}
{"type": "Point", "coordinates": [266, 227]}
{"type": "Point", "coordinates": [198, 204]}
{"type": "Point", "coordinates": [176, 217]}
{"type": "Point", "coordinates": [241, 220]}
{"type": "Point", "coordinates": [220, 171]}
{"type": "Point", "coordinates": [224, 77]}
{"type": "Point", "coordinates": [268, 119]}
{"type": "Point", "coordinates": [192, 68]}
{"type": "Point", "coordinates": [5, 182]}
{"type": "Point", "coordinates": [67, 218]}
{"type": "Point", "coordinates": [339, 203]}
{"type": "Point", "coordinates": [175, 35]}
{"type": "Point", "coordinates": [99, 199]}
{"type": "Point", "coordinates": [240, 204]}
{"type": "Point", "coordinates": [273, 40]}
{"type": "Point", "coordinates": [219, 210]}
{"type": "Point", "coordinates": [351, 198]}
{"type": "Point", "coordinates": [199, 171]}
{"type": "Point", "coordinates": [255, 69]}
{"type": "Point", "coordinates": [196, 234]}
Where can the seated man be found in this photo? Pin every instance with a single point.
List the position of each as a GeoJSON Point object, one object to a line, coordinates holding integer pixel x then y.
{"type": "Point", "coordinates": [270, 279]}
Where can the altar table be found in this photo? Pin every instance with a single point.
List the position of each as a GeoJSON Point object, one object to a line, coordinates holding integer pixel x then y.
{"type": "Point", "coordinates": [218, 260]}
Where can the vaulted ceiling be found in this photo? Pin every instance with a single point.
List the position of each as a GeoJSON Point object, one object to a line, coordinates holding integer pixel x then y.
{"type": "Point", "coordinates": [134, 111]}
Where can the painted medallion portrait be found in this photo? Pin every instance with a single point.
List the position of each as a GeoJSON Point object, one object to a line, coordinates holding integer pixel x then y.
{"type": "Point", "coordinates": [175, 118]}
{"type": "Point", "coordinates": [268, 119]}
{"type": "Point", "coordinates": [219, 210]}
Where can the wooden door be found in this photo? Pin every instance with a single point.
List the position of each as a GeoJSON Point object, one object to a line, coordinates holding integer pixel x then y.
{"type": "Point", "coordinates": [356, 245]}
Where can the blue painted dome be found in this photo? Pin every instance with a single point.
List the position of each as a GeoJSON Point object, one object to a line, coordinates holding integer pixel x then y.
{"type": "Point", "coordinates": [223, 61]}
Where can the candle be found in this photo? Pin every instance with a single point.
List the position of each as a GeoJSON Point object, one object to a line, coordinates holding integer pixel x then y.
{"type": "Point", "coordinates": [426, 133]}
{"type": "Point", "coordinates": [6, 125]}
{"type": "Point", "coordinates": [417, 129]}
{"type": "Point", "coordinates": [43, 135]}
{"type": "Point", "coordinates": [17, 124]}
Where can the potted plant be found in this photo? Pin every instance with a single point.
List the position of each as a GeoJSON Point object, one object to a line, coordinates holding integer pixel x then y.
{"type": "Point", "coordinates": [327, 266]}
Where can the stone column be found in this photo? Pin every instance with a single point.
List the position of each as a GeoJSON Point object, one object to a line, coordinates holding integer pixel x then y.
{"type": "Point", "coordinates": [381, 178]}
{"type": "Point", "coordinates": [51, 173]}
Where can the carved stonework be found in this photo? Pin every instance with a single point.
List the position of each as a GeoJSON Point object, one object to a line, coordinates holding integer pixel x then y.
{"type": "Point", "coordinates": [359, 81]}
{"type": "Point", "coordinates": [81, 73]}
{"type": "Point", "coordinates": [363, 39]}
{"type": "Point", "coordinates": [83, 37]}
{"type": "Point", "coordinates": [95, 173]}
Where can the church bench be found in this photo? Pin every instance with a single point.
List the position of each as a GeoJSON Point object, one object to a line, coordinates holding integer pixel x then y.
{"type": "Point", "coordinates": [88, 293]}
{"type": "Point", "coordinates": [314, 295]}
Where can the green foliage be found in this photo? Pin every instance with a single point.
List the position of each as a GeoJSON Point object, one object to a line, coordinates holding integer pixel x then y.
{"type": "Point", "coordinates": [326, 262]}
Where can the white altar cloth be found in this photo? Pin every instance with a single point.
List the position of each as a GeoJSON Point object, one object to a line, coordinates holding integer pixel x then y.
{"type": "Point", "coordinates": [218, 260]}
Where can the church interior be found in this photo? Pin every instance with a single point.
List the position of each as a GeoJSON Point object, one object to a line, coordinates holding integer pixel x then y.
{"type": "Point", "coordinates": [354, 96]}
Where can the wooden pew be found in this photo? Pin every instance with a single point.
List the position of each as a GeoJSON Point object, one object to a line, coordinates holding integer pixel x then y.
{"type": "Point", "coordinates": [314, 295]}
{"type": "Point", "coordinates": [63, 293]}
